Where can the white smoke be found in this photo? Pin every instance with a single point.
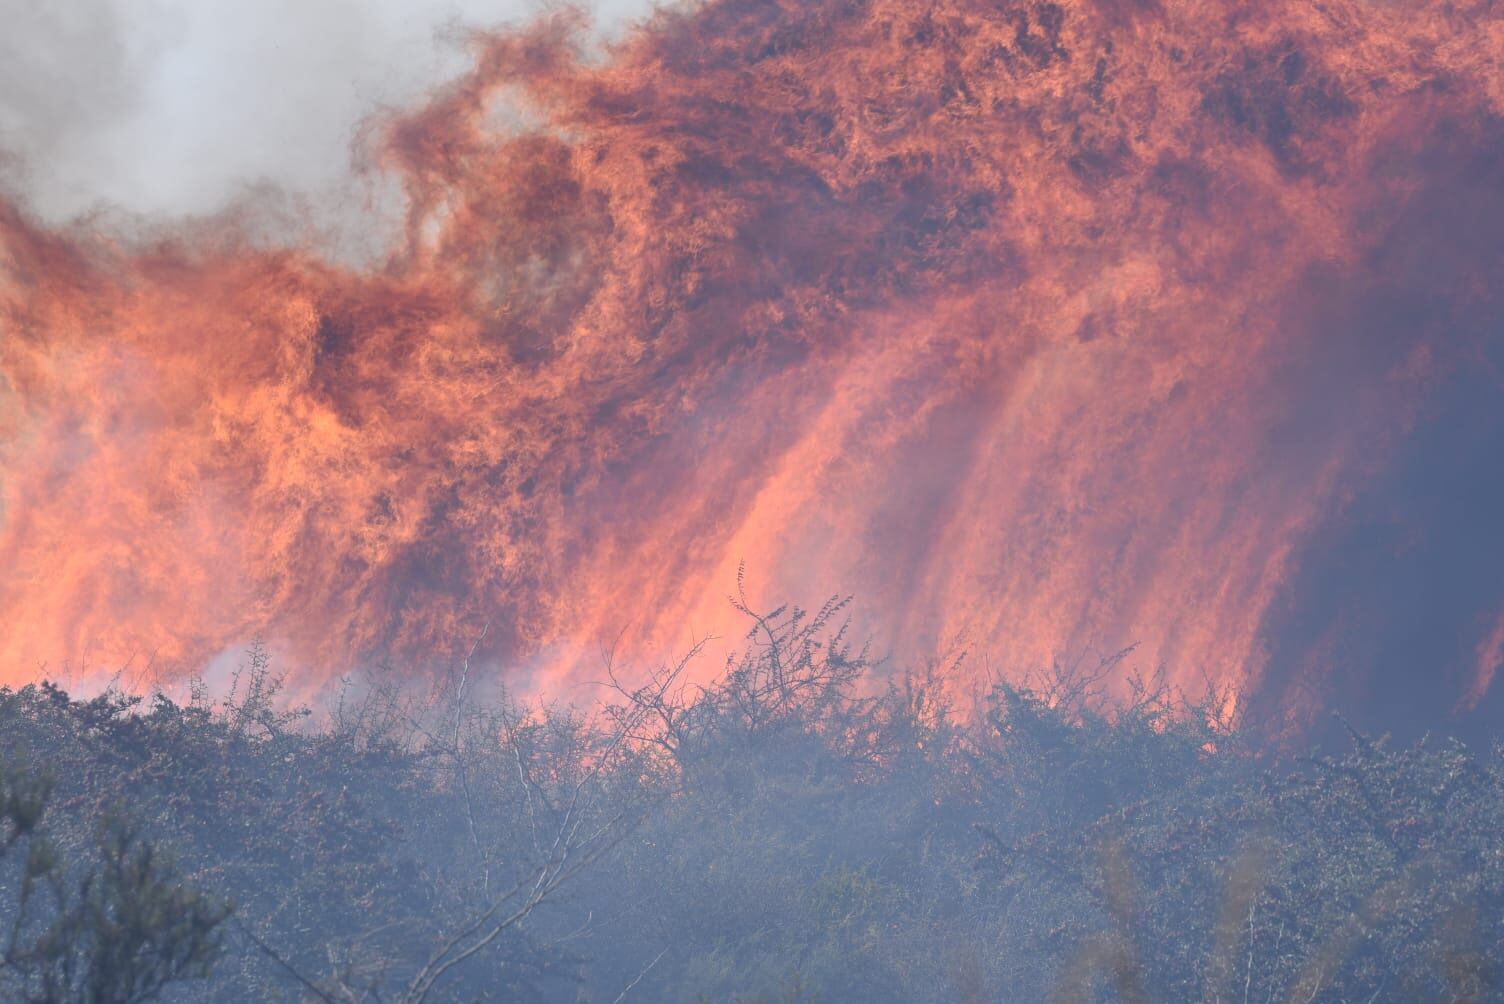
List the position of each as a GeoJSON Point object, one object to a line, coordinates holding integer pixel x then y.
{"type": "Point", "coordinates": [177, 107]}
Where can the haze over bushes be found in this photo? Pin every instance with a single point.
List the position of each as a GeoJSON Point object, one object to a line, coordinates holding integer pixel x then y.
{"type": "Point", "coordinates": [778, 836]}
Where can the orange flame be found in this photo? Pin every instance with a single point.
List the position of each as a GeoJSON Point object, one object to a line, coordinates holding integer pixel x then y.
{"type": "Point", "coordinates": [1040, 326]}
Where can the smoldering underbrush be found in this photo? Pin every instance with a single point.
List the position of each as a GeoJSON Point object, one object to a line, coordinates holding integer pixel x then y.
{"type": "Point", "coordinates": [793, 831]}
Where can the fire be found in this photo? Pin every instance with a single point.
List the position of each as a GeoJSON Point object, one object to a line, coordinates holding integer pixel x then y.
{"type": "Point", "coordinates": [1041, 327]}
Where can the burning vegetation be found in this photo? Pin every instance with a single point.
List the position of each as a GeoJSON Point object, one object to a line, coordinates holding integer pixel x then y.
{"type": "Point", "coordinates": [1160, 327]}
{"type": "Point", "coordinates": [1048, 328]}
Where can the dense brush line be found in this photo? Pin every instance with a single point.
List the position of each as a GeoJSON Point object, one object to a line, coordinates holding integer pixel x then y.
{"type": "Point", "coordinates": [790, 832]}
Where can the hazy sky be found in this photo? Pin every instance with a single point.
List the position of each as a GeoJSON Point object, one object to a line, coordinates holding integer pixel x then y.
{"type": "Point", "coordinates": [175, 105]}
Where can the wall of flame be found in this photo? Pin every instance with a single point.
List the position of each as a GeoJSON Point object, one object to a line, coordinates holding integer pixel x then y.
{"type": "Point", "coordinates": [1042, 328]}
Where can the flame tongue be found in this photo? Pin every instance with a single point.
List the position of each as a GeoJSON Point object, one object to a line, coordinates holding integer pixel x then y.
{"type": "Point", "coordinates": [1044, 326]}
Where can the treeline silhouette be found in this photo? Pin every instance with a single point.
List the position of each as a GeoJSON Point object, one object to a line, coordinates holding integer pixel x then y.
{"type": "Point", "coordinates": [793, 831]}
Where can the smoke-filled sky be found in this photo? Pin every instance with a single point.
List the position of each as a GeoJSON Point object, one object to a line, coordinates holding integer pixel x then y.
{"type": "Point", "coordinates": [176, 106]}
{"type": "Point", "coordinates": [1043, 328]}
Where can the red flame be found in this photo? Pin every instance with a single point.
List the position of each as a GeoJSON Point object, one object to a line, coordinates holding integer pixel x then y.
{"type": "Point", "coordinates": [1039, 326]}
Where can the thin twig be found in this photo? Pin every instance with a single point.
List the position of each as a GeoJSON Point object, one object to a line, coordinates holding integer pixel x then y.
{"type": "Point", "coordinates": [459, 759]}
{"type": "Point", "coordinates": [646, 969]}
{"type": "Point", "coordinates": [276, 957]}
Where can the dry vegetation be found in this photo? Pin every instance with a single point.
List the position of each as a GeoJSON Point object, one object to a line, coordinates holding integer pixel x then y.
{"type": "Point", "coordinates": [781, 835]}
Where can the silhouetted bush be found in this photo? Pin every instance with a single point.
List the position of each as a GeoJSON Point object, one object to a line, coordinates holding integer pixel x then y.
{"type": "Point", "coordinates": [114, 926]}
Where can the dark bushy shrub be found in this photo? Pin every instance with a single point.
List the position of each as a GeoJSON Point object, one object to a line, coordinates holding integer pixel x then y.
{"type": "Point", "coordinates": [790, 832]}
